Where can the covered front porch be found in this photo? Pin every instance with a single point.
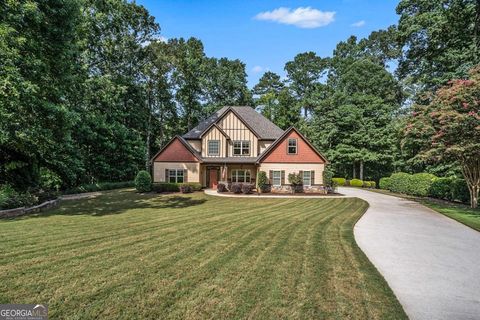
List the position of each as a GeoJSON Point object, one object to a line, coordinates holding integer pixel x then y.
{"type": "Point", "coordinates": [213, 173]}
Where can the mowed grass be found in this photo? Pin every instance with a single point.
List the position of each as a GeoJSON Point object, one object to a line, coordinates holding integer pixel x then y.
{"type": "Point", "coordinates": [131, 256]}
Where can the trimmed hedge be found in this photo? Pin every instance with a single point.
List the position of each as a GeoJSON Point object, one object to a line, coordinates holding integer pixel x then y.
{"type": "Point", "coordinates": [101, 186]}
{"type": "Point", "coordinates": [426, 184]}
{"type": "Point", "coordinates": [367, 184]}
{"type": "Point", "coordinates": [356, 183]}
{"type": "Point", "coordinates": [185, 188]}
{"type": "Point", "coordinates": [339, 181]}
{"type": "Point", "coordinates": [236, 188]}
{"type": "Point", "coordinates": [174, 187]}
{"type": "Point", "coordinates": [385, 183]}
{"type": "Point", "coordinates": [247, 188]}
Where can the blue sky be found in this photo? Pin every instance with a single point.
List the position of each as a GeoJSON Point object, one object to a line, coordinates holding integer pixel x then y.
{"type": "Point", "coordinates": [264, 36]}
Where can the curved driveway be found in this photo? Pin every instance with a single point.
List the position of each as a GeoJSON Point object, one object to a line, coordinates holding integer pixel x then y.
{"type": "Point", "coordinates": [431, 262]}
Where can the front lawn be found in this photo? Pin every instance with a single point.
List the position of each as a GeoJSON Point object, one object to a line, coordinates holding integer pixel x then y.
{"type": "Point", "coordinates": [131, 256]}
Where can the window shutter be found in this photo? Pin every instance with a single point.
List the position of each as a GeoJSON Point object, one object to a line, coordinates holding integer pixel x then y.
{"type": "Point", "coordinates": [270, 177]}
{"type": "Point", "coordinates": [301, 174]}
{"type": "Point", "coordinates": [167, 178]}
{"type": "Point", "coordinates": [185, 175]}
{"type": "Point", "coordinates": [312, 177]}
{"type": "Point", "coordinates": [283, 177]}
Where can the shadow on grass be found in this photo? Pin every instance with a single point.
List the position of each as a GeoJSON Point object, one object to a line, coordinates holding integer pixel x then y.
{"type": "Point", "coordinates": [118, 202]}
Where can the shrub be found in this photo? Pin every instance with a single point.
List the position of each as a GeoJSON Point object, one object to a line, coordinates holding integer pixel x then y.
{"type": "Point", "coordinates": [385, 183]}
{"type": "Point", "coordinates": [143, 181]}
{"type": "Point", "coordinates": [11, 199]}
{"type": "Point", "coordinates": [367, 184]}
{"type": "Point", "coordinates": [373, 184]}
{"type": "Point", "coordinates": [356, 183]}
{"type": "Point", "coordinates": [165, 187]}
{"type": "Point", "coordinates": [236, 188]}
{"type": "Point", "coordinates": [49, 180]}
{"type": "Point", "coordinates": [347, 183]}
{"type": "Point", "coordinates": [340, 181]}
{"type": "Point", "coordinates": [295, 179]}
{"type": "Point", "coordinates": [400, 182]}
{"type": "Point", "coordinates": [441, 188]}
{"type": "Point", "coordinates": [262, 181]}
{"type": "Point", "coordinates": [221, 188]}
{"type": "Point", "coordinates": [327, 177]}
{"type": "Point", "coordinates": [460, 191]}
{"type": "Point", "coordinates": [186, 188]}
{"type": "Point", "coordinates": [247, 188]}
{"type": "Point", "coordinates": [420, 184]}
{"type": "Point", "coordinates": [194, 185]}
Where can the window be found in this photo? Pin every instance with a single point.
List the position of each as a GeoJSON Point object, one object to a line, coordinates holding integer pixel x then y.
{"type": "Point", "coordinates": [240, 175]}
{"type": "Point", "coordinates": [175, 175]}
{"type": "Point", "coordinates": [292, 146]}
{"type": "Point", "coordinates": [277, 178]}
{"type": "Point", "coordinates": [307, 178]}
{"type": "Point", "coordinates": [213, 147]}
{"type": "Point", "coordinates": [241, 148]}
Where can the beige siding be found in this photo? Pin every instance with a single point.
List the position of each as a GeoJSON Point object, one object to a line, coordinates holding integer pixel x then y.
{"type": "Point", "coordinates": [236, 130]}
{"type": "Point", "coordinates": [214, 134]}
{"type": "Point", "coordinates": [196, 144]}
{"type": "Point", "coordinates": [193, 174]}
{"type": "Point", "coordinates": [262, 145]}
{"type": "Point", "coordinates": [295, 168]}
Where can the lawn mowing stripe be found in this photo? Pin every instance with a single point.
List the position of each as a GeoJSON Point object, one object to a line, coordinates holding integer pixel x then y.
{"type": "Point", "coordinates": [196, 270]}
{"type": "Point", "coordinates": [265, 253]}
{"type": "Point", "coordinates": [117, 234]}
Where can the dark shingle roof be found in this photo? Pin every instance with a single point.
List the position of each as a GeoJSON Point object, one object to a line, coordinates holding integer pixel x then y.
{"type": "Point", "coordinates": [230, 160]}
{"type": "Point", "coordinates": [263, 127]}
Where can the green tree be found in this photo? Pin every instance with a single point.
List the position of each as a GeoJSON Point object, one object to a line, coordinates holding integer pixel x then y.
{"type": "Point", "coordinates": [303, 73]}
{"type": "Point", "coordinates": [440, 40]}
{"type": "Point", "coordinates": [266, 93]}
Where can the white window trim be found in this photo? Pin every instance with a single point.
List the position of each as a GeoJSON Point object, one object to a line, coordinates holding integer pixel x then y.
{"type": "Point", "coordinates": [296, 146]}
{"type": "Point", "coordinates": [309, 180]}
{"type": "Point", "coordinates": [176, 175]}
{"type": "Point", "coordinates": [235, 174]}
{"type": "Point", "coordinates": [242, 142]}
{"type": "Point", "coordinates": [218, 148]}
{"type": "Point", "coordinates": [279, 178]}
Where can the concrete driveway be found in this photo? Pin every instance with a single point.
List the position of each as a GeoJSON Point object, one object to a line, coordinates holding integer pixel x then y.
{"type": "Point", "coordinates": [431, 262]}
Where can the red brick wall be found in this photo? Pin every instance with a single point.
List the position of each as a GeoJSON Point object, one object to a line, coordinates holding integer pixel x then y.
{"type": "Point", "coordinates": [176, 151]}
{"type": "Point", "coordinates": [305, 154]}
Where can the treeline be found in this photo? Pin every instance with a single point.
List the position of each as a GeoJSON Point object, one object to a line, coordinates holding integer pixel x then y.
{"type": "Point", "coordinates": [88, 91]}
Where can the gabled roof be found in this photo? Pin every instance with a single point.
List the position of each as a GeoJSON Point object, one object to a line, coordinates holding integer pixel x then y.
{"type": "Point", "coordinates": [185, 143]}
{"type": "Point", "coordinates": [219, 129]}
{"type": "Point", "coordinates": [263, 128]}
{"type": "Point", "coordinates": [282, 137]}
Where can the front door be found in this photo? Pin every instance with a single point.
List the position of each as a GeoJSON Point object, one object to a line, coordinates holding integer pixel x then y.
{"type": "Point", "coordinates": [213, 178]}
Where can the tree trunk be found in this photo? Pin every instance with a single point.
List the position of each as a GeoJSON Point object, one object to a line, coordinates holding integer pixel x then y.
{"type": "Point", "coordinates": [361, 170]}
{"type": "Point", "coordinates": [471, 172]}
{"type": "Point", "coordinates": [354, 171]}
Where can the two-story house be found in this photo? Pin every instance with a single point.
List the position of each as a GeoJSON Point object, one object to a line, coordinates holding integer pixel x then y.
{"type": "Point", "coordinates": [232, 145]}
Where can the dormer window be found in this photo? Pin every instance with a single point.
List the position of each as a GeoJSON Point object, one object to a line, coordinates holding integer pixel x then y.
{"type": "Point", "coordinates": [213, 147]}
{"type": "Point", "coordinates": [241, 148]}
{"type": "Point", "coordinates": [292, 146]}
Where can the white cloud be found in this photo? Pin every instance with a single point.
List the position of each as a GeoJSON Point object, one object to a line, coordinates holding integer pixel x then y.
{"type": "Point", "coordinates": [163, 39]}
{"type": "Point", "coordinates": [358, 24]}
{"type": "Point", "coordinates": [257, 69]}
{"type": "Point", "coordinates": [302, 17]}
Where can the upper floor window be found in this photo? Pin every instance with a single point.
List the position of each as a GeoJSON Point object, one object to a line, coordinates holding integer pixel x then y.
{"type": "Point", "coordinates": [213, 147]}
{"type": "Point", "coordinates": [241, 148]}
{"type": "Point", "coordinates": [292, 146]}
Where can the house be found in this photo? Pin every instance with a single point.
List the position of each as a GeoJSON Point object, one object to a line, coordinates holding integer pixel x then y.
{"type": "Point", "coordinates": [232, 145]}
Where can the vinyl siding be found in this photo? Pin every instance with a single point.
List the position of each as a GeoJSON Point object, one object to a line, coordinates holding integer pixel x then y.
{"type": "Point", "coordinates": [236, 130]}
{"type": "Point", "coordinates": [295, 168]}
{"type": "Point", "coordinates": [214, 134]}
{"type": "Point", "coordinates": [193, 174]}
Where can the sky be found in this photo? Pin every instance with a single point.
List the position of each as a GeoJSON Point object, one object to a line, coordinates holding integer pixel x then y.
{"type": "Point", "coordinates": [266, 34]}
